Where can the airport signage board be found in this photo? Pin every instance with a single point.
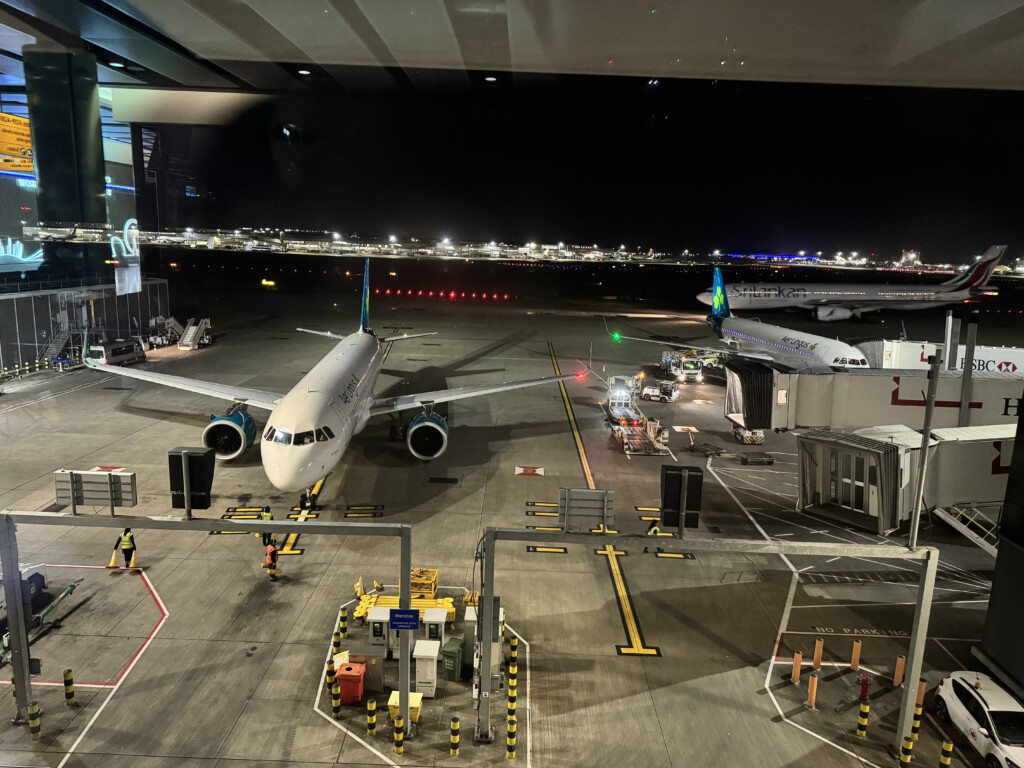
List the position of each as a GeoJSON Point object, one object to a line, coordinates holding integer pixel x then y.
{"type": "Point", "coordinates": [402, 618]}
{"type": "Point", "coordinates": [96, 489]}
{"type": "Point", "coordinates": [16, 164]}
{"type": "Point", "coordinates": [15, 136]}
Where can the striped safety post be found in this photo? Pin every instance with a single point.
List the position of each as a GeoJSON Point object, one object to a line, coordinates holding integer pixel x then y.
{"type": "Point", "coordinates": [343, 622]}
{"type": "Point", "coordinates": [513, 653]}
{"type": "Point", "coordinates": [69, 688]}
{"type": "Point", "coordinates": [513, 674]}
{"type": "Point", "coordinates": [862, 719]}
{"type": "Point", "coordinates": [915, 727]}
{"type": "Point", "coordinates": [512, 696]}
{"type": "Point", "coordinates": [34, 725]}
{"type": "Point", "coordinates": [329, 679]}
{"type": "Point", "coordinates": [336, 643]}
{"type": "Point", "coordinates": [906, 751]}
{"type": "Point", "coordinates": [399, 734]}
{"type": "Point", "coordinates": [336, 700]}
{"type": "Point", "coordinates": [371, 717]}
{"type": "Point", "coordinates": [453, 744]}
{"type": "Point", "coordinates": [946, 756]}
{"type": "Point", "coordinates": [510, 739]}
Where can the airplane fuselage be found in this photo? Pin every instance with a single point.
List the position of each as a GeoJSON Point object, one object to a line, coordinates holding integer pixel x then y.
{"type": "Point", "coordinates": [310, 429]}
{"type": "Point", "coordinates": [809, 295]}
{"type": "Point", "coordinates": [755, 336]}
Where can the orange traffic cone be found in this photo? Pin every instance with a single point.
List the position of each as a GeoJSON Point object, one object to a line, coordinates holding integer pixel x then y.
{"type": "Point", "coordinates": [113, 560]}
{"type": "Point", "coordinates": [132, 564]}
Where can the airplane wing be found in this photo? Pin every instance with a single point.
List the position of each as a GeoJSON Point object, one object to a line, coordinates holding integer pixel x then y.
{"type": "Point", "coordinates": [405, 402]}
{"type": "Point", "coordinates": [253, 397]}
{"type": "Point", "coordinates": [385, 339]}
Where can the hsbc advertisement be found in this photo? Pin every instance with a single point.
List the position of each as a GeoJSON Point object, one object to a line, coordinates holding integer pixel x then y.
{"type": "Point", "coordinates": [911, 355]}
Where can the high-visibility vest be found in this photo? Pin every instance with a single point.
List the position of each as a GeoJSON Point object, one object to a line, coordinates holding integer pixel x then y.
{"type": "Point", "coordinates": [271, 554]}
{"type": "Point", "coordinates": [266, 514]}
{"type": "Point", "coordinates": [127, 542]}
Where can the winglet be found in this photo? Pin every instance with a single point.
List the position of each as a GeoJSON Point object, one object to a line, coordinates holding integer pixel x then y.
{"type": "Point", "coordinates": [364, 319]}
{"type": "Point", "coordinates": [719, 301]}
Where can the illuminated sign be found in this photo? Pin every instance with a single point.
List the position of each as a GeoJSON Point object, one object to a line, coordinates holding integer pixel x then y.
{"type": "Point", "coordinates": [126, 247]}
{"type": "Point", "coordinates": [15, 164]}
{"type": "Point", "coordinates": [14, 259]}
{"type": "Point", "coordinates": [16, 140]}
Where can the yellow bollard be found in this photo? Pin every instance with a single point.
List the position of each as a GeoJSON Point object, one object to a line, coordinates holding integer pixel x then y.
{"type": "Point", "coordinates": [453, 745]}
{"type": "Point", "coordinates": [329, 679]}
{"type": "Point", "coordinates": [512, 695]}
{"type": "Point", "coordinates": [343, 622]}
{"type": "Point", "coordinates": [907, 752]}
{"type": "Point", "coordinates": [69, 688]}
{"type": "Point", "coordinates": [336, 643]}
{"type": "Point", "coordinates": [510, 739]}
{"type": "Point", "coordinates": [34, 724]}
{"type": "Point", "coordinates": [862, 719]}
{"type": "Point", "coordinates": [855, 656]}
{"type": "Point", "coordinates": [922, 686]}
{"type": "Point", "coordinates": [514, 650]}
{"type": "Point", "coordinates": [798, 660]}
{"type": "Point", "coordinates": [812, 690]}
{"type": "Point", "coordinates": [915, 726]}
{"type": "Point", "coordinates": [399, 734]}
{"type": "Point", "coordinates": [371, 717]}
{"type": "Point", "coordinates": [336, 700]}
{"type": "Point", "coordinates": [897, 676]}
{"type": "Point", "coordinates": [113, 560]}
{"type": "Point", "coordinates": [947, 753]}
{"type": "Point", "coordinates": [819, 645]}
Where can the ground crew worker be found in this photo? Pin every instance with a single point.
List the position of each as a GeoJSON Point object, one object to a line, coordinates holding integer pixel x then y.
{"type": "Point", "coordinates": [267, 515]}
{"type": "Point", "coordinates": [654, 530]}
{"type": "Point", "coordinates": [126, 541]}
{"type": "Point", "coordinates": [272, 558]}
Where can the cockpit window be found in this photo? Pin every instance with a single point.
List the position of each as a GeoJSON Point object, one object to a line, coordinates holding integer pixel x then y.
{"type": "Point", "coordinates": [283, 437]}
{"type": "Point", "coordinates": [321, 436]}
{"type": "Point", "coordinates": [304, 438]}
{"type": "Point", "coordinates": [329, 433]}
{"type": "Point", "coordinates": [269, 434]}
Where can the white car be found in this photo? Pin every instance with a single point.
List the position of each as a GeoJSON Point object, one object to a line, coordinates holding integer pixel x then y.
{"type": "Point", "coordinates": [984, 712]}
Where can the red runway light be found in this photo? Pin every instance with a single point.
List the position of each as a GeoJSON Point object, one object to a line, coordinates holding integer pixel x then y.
{"type": "Point", "coordinates": [451, 295]}
{"type": "Point", "coordinates": [421, 292]}
{"type": "Point", "coordinates": [377, 291]}
{"type": "Point", "coordinates": [431, 293]}
{"type": "Point", "coordinates": [474, 295]}
{"type": "Point", "coordinates": [388, 291]}
{"type": "Point", "coordinates": [463, 294]}
{"type": "Point", "coordinates": [506, 297]}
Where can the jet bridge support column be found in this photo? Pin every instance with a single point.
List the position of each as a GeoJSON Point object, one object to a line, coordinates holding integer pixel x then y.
{"type": "Point", "coordinates": [918, 636]}
{"type": "Point", "coordinates": [17, 617]}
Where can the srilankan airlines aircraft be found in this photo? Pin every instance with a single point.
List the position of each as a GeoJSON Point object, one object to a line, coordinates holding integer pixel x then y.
{"type": "Point", "coordinates": [839, 301]}
{"type": "Point", "coordinates": [310, 427]}
{"type": "Point", "coordinates": [755, 340]}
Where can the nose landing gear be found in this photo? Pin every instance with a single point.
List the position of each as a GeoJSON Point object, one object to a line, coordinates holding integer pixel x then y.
{"type": "Point", "coordinates": [308, 498]}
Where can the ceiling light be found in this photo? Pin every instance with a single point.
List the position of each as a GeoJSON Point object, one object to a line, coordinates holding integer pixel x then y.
{"type": "Point", "coordinates": [491, 79]}
{"type": "Point", "coordinates": [116, 64]}
{"type": "Point", "coordinates": [304, 72]}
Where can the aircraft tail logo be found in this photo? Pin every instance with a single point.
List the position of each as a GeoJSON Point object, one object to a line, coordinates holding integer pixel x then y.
{"type": "Point", "coordinates": [978, 274]}
{"type": "Point", "coordinates": [364, 319]}
{"type": "Point", "coordinates": [719, 301]}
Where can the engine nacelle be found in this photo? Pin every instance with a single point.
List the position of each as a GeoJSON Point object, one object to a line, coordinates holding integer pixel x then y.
{"type": "Point", "coordinates": [827, 313]}
{"type": "Point", "coordinates": [230, 436]}
{"type": "Point", "coordinates": [427, 436]}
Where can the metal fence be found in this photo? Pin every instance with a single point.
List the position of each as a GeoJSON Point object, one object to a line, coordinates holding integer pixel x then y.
{"type": "Point", "coordinates": [30, 321]}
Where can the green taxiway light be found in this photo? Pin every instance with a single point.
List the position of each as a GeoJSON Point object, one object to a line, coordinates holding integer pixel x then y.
{"type": "Point", "coordinates": [616, 336]}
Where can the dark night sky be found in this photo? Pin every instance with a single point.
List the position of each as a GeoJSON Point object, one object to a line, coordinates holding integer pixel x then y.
{"type": "Point", "coordinates": [686, 164]}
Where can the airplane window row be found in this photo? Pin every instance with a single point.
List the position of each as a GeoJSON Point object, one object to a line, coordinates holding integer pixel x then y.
{"type": "Point", "coordinates": [284, 437]}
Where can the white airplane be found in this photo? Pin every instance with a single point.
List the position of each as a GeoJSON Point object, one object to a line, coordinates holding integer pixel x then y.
{"type": "Point", "coordinates": [839, 301]}
{"type": "Point", "coordinates": [755, 340]}
{"type": "Point", "coordinates": [310, 427]}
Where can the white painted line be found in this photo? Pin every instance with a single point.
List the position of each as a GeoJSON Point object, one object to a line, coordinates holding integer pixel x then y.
{"type": "Point", "coordinates": [780, 535]}
{"type": "Point", "coordinates": [832, 560]}
{"type": "Point", "coordinates": [672, 455]}
{"type": "Point", "coordinates": [805, 569]}
{"type": "Point", "coordinates": [124, 675]}
{"type": "Point", "coordinates": [948, 653]}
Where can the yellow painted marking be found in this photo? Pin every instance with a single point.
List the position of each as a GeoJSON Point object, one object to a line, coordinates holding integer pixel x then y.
{"type": "Point", "coordinates": [602, 529]}
{"type": "Point", "coordinates": [533, 513]}
{"type": "Point", "coordinates": [647, 509]}
{"type": "Point", "coordinates": [587, 474]}
{"type": "Point", "coordinates": [236, 516]}
{"type": "Point", "coordinates": [363, 507]}
{"type": "Point", "coordinates": [541, 528]}
{"type": "Point", "coordinates": [364, 514]}
{"type": "Point", "coordinates": [650, 519]}
{"type": "Point", "coordinates": [244, 509]}
{"type": "Point", "coordinates": [637, 646]}
{"type": "Point", "coordinates": [542, 503]}
{"type": "Point", "coordinates": [676, 555]}
{"type": "Point", "coordinates": [289, 547]}
{"type": "Point", "coordinates": [548, 550]}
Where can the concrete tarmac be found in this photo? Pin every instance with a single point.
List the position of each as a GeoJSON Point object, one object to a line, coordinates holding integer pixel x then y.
{"type": "Point", "coordinates": [230, 677]}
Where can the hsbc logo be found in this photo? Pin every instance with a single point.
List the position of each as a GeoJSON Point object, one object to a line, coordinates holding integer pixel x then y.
{"type": "Point", "coordinates": [1007, 367]}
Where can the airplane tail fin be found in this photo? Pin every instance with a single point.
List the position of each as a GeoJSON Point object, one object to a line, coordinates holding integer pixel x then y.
{"type": "Point", "coordinates": [978, 274]}
{"type": "Point", "coordinates": [364, 318]}
{"type": "Point", "coordinates": [719, 301]}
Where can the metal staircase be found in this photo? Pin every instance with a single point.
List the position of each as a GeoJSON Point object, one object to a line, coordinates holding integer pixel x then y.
{"type": "Point", "coordinates": [56, 345]}
{"type": "Point", "coordinates": [979, 522]}
{"type": "Point", "coordinates": [192, 336]}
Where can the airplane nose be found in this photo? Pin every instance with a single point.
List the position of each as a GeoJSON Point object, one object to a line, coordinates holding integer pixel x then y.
{"type": "Point", "coordinates": [281, 476]}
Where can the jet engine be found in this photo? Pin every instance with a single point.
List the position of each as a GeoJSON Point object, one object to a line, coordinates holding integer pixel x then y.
{"type": "Point", "coordinates": [427, 436]}
{"type": "Point", "coordinates": [827, 313]}
{"type": "Point", "coordinates": [230, 435]}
